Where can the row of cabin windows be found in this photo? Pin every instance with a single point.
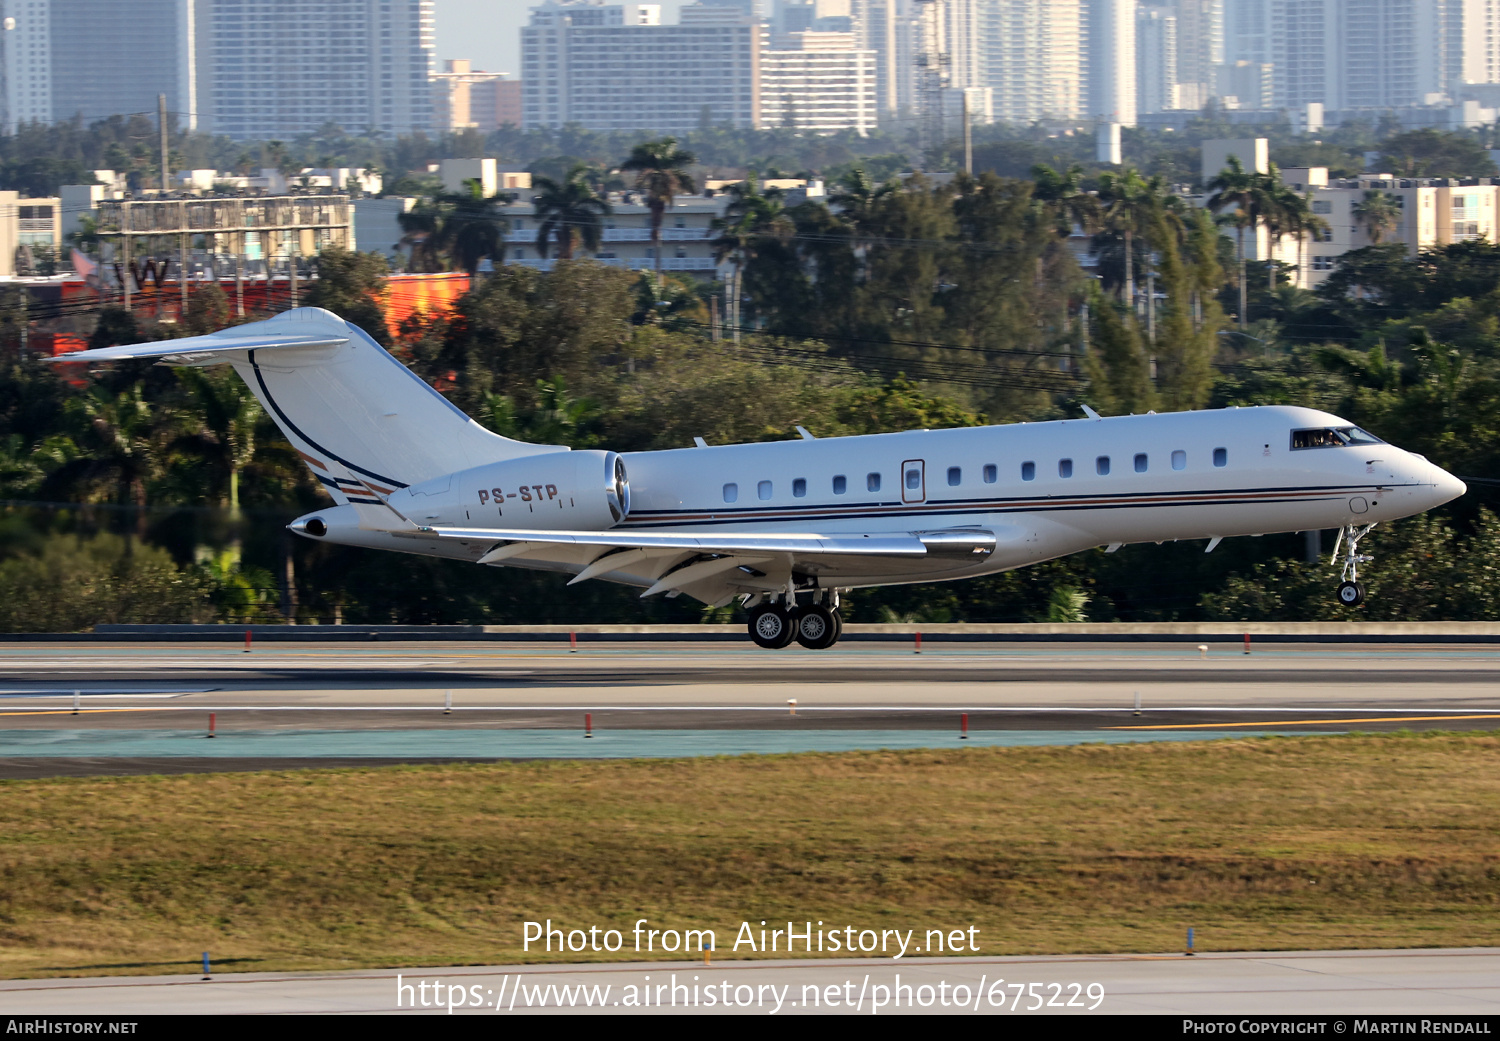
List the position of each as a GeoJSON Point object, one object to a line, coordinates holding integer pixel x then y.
{"type": "Point", "coordinates": [991, 474]}
{"type": "Point", "coordinates": [1102, 464]}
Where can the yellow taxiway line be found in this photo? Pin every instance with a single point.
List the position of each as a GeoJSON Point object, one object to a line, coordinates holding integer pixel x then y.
{"type": "Point", "coordinates": [1297, 722]}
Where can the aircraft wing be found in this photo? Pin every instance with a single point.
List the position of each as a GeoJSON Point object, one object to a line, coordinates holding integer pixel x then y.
{"type": "Point", "coordinates": [715, 566]}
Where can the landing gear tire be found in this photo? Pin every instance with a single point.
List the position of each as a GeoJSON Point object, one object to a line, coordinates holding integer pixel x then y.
{"type": "Point", "coordinates": [771, 627]}
{"type": "Point", "coordinates": [817, 627]}
{"type": "Point", "coordinates": [1351, 594]}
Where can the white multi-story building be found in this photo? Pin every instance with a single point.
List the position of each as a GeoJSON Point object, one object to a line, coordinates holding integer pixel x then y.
{"type": "Point", "coordinates": [279, 68]}
{"type": "Point", "coordinates": [1200, 49]}
{"type": "Point", "coordinates": [615, 67]}
{"type": "Point", "coordinates": [1034, 59]}
{"type": "Point", "coordinates": [687, 236]}
{"type": "Point", "coordinates": [1433, 212]}
{"type": "Point", "coordinates": [1156, 59]}
{"type": "Point", "coordinates": [875, 24]}
{"type": "Point", "coordinates": [818, 81]}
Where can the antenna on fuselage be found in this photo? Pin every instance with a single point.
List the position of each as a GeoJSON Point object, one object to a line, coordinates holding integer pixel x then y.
{"type": "Point", "coordinates": [1091, 413]}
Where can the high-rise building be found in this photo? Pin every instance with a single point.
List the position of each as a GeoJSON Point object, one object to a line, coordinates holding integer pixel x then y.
{"type": "Point", "coordinates": [1111, 61]}
{"type": "Point", "coordinates": [279, 68]}
{"type": "Point", "coordinates": [818, 81]}
{"type": "Point", "coordinates": [110, 58]}
{"type": "Point", "coordinates": [615, 67]}
{"type": "Point", "coordinates": [874, 23]}
{"type": "Point", "coordinates": [1156, 59]}
{"type": "Point", "coordinates": [1034, 58]}
{"type": "Point", "coordinates": [1247, 31]}
{"type": "Point", "coordinates": [1200, 49]}
{"type": "Point", "coordinates": [1303, 32]}
{"type": "Point", "coordinates": [28, 63]}
{"type": "Point", "coordinates": [63, 58]}
{"type": "Point", "coordinates": [1474, 40]}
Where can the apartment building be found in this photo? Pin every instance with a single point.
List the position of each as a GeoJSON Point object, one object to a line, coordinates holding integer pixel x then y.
{"type": "Point", "coordinates": [818, 81]}
{"type": "Point", "coordinates": [687, 235]}
{"type": "Point", "coordinates": [615, 67]}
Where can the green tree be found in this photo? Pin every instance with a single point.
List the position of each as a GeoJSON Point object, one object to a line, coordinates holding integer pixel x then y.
{"type": "Point", "coordinates": [1377, 213]}
{"type": "Point", "coordinates": [472, 229]}
{"type": "Point", "coordinates": [661, 171]}
{"type": "Point", "coordinates": [1245, 191]}
{"type": "Point", "coordinates": [569, 212]}
{"type": "Point", "coordinates": [352, 285]}
{"type": "Point", "coordinates": [1434, 153]}
{"type": "Point", "coordinates": [1129, 205]}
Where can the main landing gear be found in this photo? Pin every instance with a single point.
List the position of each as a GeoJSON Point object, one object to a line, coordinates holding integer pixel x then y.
{"type": "Point", "coordinates": [1351, 589]}
{"type": "Point", "coordinates": [775, 623]}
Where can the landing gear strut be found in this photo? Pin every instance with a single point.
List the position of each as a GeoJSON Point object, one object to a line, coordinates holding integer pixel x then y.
{"type": "Point", "coordinates": [1351, 589]}
{"type": "Point", "coordinates": [780, 620]}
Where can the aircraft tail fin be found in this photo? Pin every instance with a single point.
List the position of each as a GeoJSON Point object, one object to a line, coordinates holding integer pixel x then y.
{"type": "Point", "coordinates": [358, 417]}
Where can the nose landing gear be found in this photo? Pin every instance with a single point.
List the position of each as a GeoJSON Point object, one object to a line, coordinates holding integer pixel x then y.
{"type": "Point", "coordinates": [816, 626]}
{"type": "Point", "coordinates": [1351, 590]}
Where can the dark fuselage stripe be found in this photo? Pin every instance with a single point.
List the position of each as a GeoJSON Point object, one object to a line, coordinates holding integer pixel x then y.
{"type": "Point", "coordinates": [259, 378]}
{"type": "Point", "coordinates": [972, 506]}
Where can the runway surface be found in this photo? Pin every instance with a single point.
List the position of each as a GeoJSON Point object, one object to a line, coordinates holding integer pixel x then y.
{"type": "Point", "coordinates": [1444, 983]}
{"type": "Point", "coordinates": [147, 707]}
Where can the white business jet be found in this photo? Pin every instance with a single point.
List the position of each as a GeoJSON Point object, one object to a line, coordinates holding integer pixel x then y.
{"type": "Point", "coordinates": [787, 527]}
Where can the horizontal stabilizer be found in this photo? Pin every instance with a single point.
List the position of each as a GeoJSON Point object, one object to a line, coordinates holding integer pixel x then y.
{"type": "Point", "coordinates": [274, 334]}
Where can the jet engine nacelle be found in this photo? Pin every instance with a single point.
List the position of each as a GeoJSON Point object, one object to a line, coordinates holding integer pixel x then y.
{"type": "Point", "coordinates": [573, 491]}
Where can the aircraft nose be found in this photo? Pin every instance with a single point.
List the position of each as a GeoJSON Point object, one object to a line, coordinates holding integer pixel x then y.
{"type": "Point", "coordinates": [1446, 486]}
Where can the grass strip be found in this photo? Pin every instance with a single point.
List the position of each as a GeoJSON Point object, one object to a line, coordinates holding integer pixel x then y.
{"type": "Point", "coordinates": [1389, 840]}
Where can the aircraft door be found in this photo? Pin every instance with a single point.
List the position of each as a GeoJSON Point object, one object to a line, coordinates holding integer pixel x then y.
{"type": "Point", "coordinates": [913, 481]}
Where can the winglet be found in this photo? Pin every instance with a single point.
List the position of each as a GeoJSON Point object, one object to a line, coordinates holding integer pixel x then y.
{"type": "Point", "coordinates": [1091, 413]}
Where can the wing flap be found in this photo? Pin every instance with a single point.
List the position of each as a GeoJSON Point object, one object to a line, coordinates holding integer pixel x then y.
{"type": "Point", "coordinates": [890, 545]}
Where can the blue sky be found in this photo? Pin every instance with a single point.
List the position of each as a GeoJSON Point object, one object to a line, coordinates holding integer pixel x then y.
{"type": "Point", "coordinates": [488, 31]}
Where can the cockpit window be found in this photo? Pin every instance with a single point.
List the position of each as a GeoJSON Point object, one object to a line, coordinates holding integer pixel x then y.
{"type": "Point", "coordinates": [1333, 437]}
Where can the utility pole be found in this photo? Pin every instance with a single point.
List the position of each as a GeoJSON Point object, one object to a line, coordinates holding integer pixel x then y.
{"type": "Point", "coordinates": [968, 138]}
{"type": "Point", "coordinates": [161, 125]}
{"type": "Point", "coordinates": [125, 248]}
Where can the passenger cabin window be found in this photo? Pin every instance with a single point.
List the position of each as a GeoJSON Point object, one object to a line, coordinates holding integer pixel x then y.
{"type": "Point", "coordinates": [955, 476]}
{"type": "Point", "coordinates": [1333, 437]}
{"type": "Point", "coordinates": [872, 482]}
{"type": "Point", "coordinates": [1221, 457]}
{"type": "Point", "coordinates": [731, 492]}
{"type": "Point", "coordinates": [763, 490]}
{"type": "Point", "coordinates": [1028, 471]}
{"type": "Point", "coordinates": [799, 488]}
{"type": "Point", "coordinates": [1179, 460]}
{"type": "Point", "coordinates": [1101, 466]}
{"type": "Point", "coordinates": [1065, 468]}
{"type": "Point", "coordinates": [991, 475]}
{"type": "Point", "coordinates": [840, 485]}
{"type": "Point", "coordinates": [913, 479]}
{"type": "Point", "coordinates": [1141, 462]}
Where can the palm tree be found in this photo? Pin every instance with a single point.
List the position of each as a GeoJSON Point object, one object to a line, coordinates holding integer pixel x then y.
{"type": "Point", "coordinates": [569, 212]}
{"type": "Point", "coordinates": [227, 415]}
{"type": "Point", "coordinates": [1063, 198]}
{"type": "Point", "coordinates": [1378, 213]}
{"type": "Point", "coordinates": [471, 228]}
{"type": "Point", "coordinates": [751, 217]}
{"type": "Point", "coordinates": [1235, 186]}
{"type": "Point", "coordinates": [1129, 205]}
{"type": "Point", "coordinates": [119, 436]}
{"type": "Point", "coordinates": [660, 169]}
{"type": "Point", "coordinates": [419, 230]}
